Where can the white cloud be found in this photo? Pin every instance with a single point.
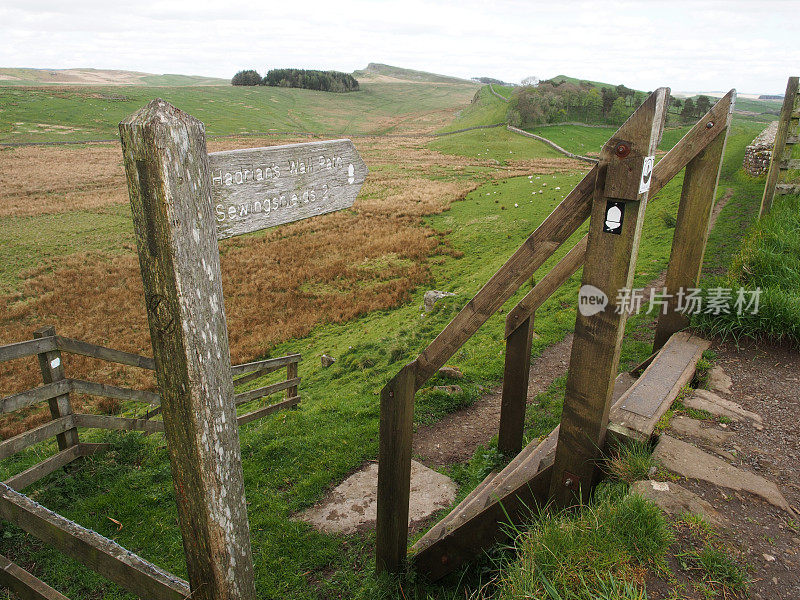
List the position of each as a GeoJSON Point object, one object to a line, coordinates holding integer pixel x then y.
{"type": "Point", "coordinates": [711, 45]}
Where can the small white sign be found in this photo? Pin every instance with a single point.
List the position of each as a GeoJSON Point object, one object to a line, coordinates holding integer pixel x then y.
{"type": "Point", "coordinates": [55, 363]}
{"type": "Point", "coordinates": [647, 173]}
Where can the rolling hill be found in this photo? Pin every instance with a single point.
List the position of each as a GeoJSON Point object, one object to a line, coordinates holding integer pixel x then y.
{"type": "Point", "coordinates": [36, 77]}
{"type": "Point", "coordinates": [381, 72]}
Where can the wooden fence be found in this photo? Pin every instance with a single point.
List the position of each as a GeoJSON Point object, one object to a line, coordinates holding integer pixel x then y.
{"type": "Point", "coordinates": [700, 152]}
{"type": "Point", "coordinates": [86, 546]}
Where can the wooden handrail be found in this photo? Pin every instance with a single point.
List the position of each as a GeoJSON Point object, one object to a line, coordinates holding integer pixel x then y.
{"type": "Point", "coordinates": [696, 140]}
{"type": "Point", "coordinates": [27, 348]}
{"type": "Point", "coordinates": [72, 346]}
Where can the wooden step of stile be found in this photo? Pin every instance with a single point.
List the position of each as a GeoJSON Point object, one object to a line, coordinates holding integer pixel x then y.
{"type": "Point", "coordinates": [636, 413]}
{"type": "Point", "coordinates": [524, 466]}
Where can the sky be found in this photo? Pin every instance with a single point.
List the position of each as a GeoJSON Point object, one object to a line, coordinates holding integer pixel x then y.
{"type": "Point", "coordinates": [689, 46]}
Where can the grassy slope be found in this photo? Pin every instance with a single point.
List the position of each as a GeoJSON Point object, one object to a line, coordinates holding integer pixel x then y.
{"type": "Point", "coordinates": [580, 140]}
{"type": "Point", "coordinates": [36, 77]}
{"type": "Point", "coordinates": [485, 109]}
{"type": "Point", "coordinates": [378, 69]}
{"type": "Point", "coordinates": [88, 112]}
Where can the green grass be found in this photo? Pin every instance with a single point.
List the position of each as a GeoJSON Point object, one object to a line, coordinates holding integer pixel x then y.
{"type": "Point", "coordinates": [594, 553]}
{"type": "Point", "coordinates": [631, 462]}
{"type": "Point", "coordinates": [90, 112]}
{"type": "Point", "coordinates": [108, 229]}
{"type": "Point", "coordinates": [496, 144]}
{"type": "Point", "coordinates": [579, 139]}
{"type": "Point", "coordinates": [36, 77]}
{"type": "Point", "coordinates": [374, 69]}
{"type": "Point", "coordinates": [485, 109]}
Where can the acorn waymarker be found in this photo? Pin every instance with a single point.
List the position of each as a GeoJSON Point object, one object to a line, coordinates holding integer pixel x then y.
{"type": "Point", "coordinates": [256, 188]}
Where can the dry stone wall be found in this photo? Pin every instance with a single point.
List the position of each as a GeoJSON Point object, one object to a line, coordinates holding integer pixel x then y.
{"type": "Point", "coordinates": [758, 154]}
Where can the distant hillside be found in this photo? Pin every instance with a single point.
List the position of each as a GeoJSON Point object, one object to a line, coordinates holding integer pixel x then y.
{"type": "Point", "coordinates": [100, 77]}
{"type": "Point", "coordinates": [380, 72]}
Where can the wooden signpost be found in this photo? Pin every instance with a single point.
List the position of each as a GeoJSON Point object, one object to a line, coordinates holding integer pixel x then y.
{"type": "Point", "coordinates": [183, 200]}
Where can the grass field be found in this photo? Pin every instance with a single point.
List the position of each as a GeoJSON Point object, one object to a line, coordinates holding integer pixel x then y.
{"type": "Point", "coordinates": [440, 214]}
{"type": "Point", "coordinates": [90, 113]}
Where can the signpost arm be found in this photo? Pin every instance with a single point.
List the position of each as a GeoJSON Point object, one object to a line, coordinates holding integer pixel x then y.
{"type": "Point", "coordinates": [166, 166]}
{"type": "Point", "coordinates": [614, 231]}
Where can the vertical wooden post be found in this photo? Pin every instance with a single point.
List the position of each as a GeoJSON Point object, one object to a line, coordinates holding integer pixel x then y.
{"type": "Point", "coordinates": [291, 373]}
{"type": "Point", "coordinates": [620, 197]}
{"type": "Point", "coordinates": [691, 233]}
{"type": "Point", "coordinates": [515, 388]}
{"type": "Point", "coordinates": [394, 470]}
{"type": "Point", "coordinates": [779, 146]}
{"type": "Point", "coordinates": [166, 166]}
{"type": "Point", "coordinates": [52, 368]}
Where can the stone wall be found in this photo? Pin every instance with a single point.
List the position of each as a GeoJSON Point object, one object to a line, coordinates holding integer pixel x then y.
{"type": "Point", "coordinates": [758, 154]}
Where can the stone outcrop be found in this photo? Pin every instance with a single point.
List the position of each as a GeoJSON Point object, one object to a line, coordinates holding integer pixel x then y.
{"type": "Point", "coordinates": [758, 154]}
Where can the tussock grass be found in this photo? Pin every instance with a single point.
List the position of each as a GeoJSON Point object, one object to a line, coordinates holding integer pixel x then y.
{"type": "Point", "coordinates": [600, 551]}
{"type": "Point", "coordinates": [769, 259]}
{"type": "Point", "coordinates": [631, 462]}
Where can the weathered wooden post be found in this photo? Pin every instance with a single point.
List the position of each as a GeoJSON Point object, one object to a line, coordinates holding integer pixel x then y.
{"type": "Point", "coordinates": [620, 197]}
{"type": "Point", "coordinates": [515, 388]}
{"type": "Point", "coordinates": [52, 368]}
{"type": "Point", "coordinates": [694, 215]}
{"type": "Point", "coordinates": [394, 470]}
{"type": "Point", "coordinates": [166, 165]}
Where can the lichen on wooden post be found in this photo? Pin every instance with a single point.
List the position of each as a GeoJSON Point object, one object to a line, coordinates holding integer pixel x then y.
{"type": "Point", "coordinates": [166, 165]}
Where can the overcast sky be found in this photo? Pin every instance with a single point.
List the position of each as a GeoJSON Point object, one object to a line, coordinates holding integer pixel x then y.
{"type": "Point", "coordinates": [689, 46]}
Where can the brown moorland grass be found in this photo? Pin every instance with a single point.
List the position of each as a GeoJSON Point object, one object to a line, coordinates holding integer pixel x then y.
{"type": "Point", "coordinates": [278, 284]}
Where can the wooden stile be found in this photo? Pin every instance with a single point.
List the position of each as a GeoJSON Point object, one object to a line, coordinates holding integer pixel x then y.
{"type": "Point", "coordinates": [691, 229]}
{"type": "Point", "coordinates": [623, 185]}
{"type": "Point", "coordinates": [166, 166]}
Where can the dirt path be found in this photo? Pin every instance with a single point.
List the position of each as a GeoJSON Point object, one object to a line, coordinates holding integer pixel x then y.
{"type": "Point", "coordinates": [455, 438]}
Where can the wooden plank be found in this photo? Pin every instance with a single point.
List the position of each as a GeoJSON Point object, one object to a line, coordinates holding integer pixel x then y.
{"type": "Point", "coordinates": [22, 480]}
{"type": "Point", "coordinates": [169, 184]}
{"type": "Point", "coordinates": [562, 223]}
{"type": "Point", "coordinates": [640, 408]}
{"type": "Point", "coordinates": [394, 470]}
{"type": "Point", "coordinates": [782, 137]}
{"type": "Point", "coordinates": [791, 163]}
{"type": "Point", "coordinates": [554, 279]}
{"type": "Point", "coordinates": [515, 388]}
{"type": "Point", "coordinates": [28, 438]}
{"type": "Point", "coordinates": [111, 391]}
{"type": "Point", "coordinates": [39, 394]}
{"type": "Point", "coordinates": [117, 423]}
{"type": "Point", "coordinates": [26, 348]}
{"type": "Point", "coordinates": [91, 549]}
{"type": "Point", "coordinates": [485, 529]}
{"type": "Point", "coordinates": [786, 188]}
{"type": "Point", "coordinates": [103, 353]}
{"type": "Point", "coordinates": [524, 467]}
{"type": "Point", "coordinates": [695, 140]}
{"type": "Point", "coordinates": [52, 368]}
{"type": "Point", "coordinates": [260, 365]}
{"type": "Point", "coordinates": [266, 390]}
{"type": "Point", "coordinates": [691, 233]}
{"type": "Point", "coordinates": [793, 139]}
{"type": "Point", "coordinates": [24, 585]}
{"type": "Point", "coordinates": [267, 410]}
{"type": "Point", "coordinates": [291, 373]}
{"type": "Point", "coordinates": [85, 449]}
{"type": "Point", "coordinates": [256, 188]}
{"type": "Point", "coordinates": [609, 267]}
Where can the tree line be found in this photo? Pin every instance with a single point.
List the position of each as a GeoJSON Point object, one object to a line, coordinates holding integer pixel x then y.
{"type": "Point", "coordinates": [552, 101]}
{"type": "Point", "coordinates": [325, 81]}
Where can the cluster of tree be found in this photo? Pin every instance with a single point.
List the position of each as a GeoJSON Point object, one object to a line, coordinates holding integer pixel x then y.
{"type": "Point", "coordinates": [690, 109]}
{"type": "Point", "coordinates": [558, 101]}
{"type": "Point", "coordinates": [325, 81]}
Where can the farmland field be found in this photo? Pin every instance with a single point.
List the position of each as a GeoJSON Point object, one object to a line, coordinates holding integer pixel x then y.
{"type": "Point", "coordinates": [439, 213]}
